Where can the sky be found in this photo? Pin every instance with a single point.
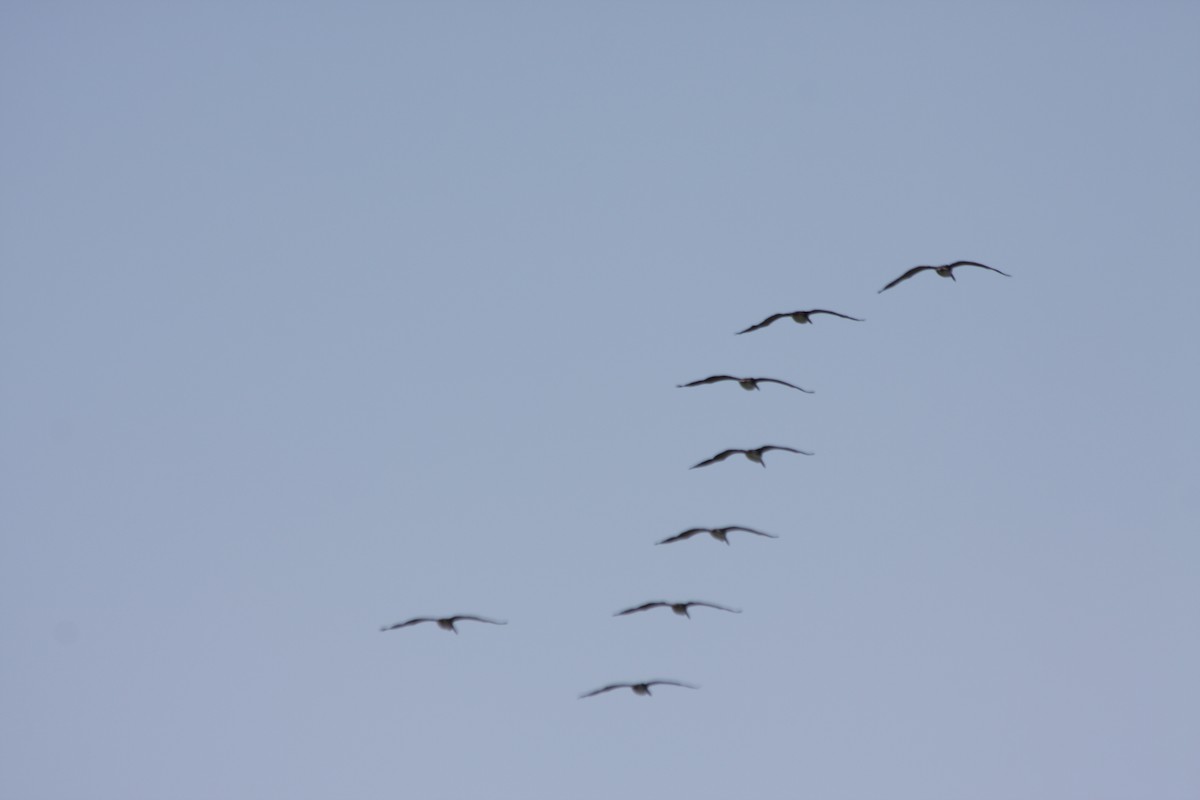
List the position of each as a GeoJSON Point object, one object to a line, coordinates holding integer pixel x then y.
{"type": "Point", "coordinates": [316, 317]}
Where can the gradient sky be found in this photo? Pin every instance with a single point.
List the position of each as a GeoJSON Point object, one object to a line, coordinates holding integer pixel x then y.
{"type": "Point", "coordinates": [318, 316]}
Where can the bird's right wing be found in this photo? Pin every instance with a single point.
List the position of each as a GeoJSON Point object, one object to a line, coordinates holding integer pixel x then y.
{"type": "Point", "coordinates": [608, 688]}
{"type": "Point", "coordinates": [836, 314]}
{"type": "Point", "coordinates": [976, 264]}
{"type": "Point", "coordinates": [480, 619]}
{"type": "Point", "coordinates": [752, 530]}
{"type": "Point", "coordinates": [714, 605]}
{"type": "Point", "coordinates": [784, 383]}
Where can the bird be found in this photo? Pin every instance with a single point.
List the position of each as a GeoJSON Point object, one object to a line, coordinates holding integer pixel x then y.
{"type": "Point", "coordinates": [749, 384]}
{"type": "Point", "coordinates": [679, 608]}
{"type": "Point", "coordinates": [755, 455]}
{"type": "Point", "coordinates": [800, 317]}
{"type": "Point", "coordinates": [445, 623]}
{"type": "Point", "coordinates": [638, 688]}
{"type": "Point", "coordinates": [720, 534]}
{"type": "Point", "coordinates": [946, 271]}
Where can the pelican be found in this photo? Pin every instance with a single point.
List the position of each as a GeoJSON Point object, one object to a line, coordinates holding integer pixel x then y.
{"type": "Point", "coordinates": [800, 317]}
{"type": "Point", "coordinates": [749, 384]}
{"type": "Point", "coordinates": [445, 623]}
{"type": "Point", "coordinates": [755, 455]}
{"type": "Point", "coordinates": [679, 608]}
{"type": "Point", "coordinates": [638, 688]}
{"type": "Point", "coordinates": [946, 271]}
{"type": "Point", "coordinates": [720, 534]}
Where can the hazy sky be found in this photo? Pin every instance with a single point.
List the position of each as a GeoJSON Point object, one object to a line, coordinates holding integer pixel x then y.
{"type": "Point", "coordinates": [315, 317]}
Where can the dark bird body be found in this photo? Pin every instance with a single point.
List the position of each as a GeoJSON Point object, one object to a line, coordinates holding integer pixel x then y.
{"type": "Point", "coordinates": [945, 270]}
{"type": "Point", "coordinates": [445, 623]}
{"type": "Point", "coordinates": [679, 608]}
{"type": "Point", "coordinates": [638, 688]}
{"type": "Point", "coordinates": [720, 534]}
{"type": "Point", "coordinates": [749, 384]}
{"type": "Point", "coordinates": [799, 317]}
{"type": "Point", "coordinates": [755, 454]}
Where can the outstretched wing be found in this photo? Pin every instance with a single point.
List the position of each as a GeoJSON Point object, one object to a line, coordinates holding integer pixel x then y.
{"type": "Point", "coordinates": [478, 619]}
{"type": "Point", "coordinates": [712, 379]}
{"type": "Point", "coordinates": [608, 688]}
{"type": "Point", "coordinates": [718, 457]}
{"type": "Point", "coordinates": [976, 264]}
{"type": "Point", "coordinates": [412, 621]}
{"type": "Point", "coordinates": [671, 683]}
{"type": "Point", "coordinates": [766, 448]}
{"type": "Point", "coordinates": [905, 277]}
{"type": "Point", "coordinates": [834, 313]}
{"type": "Point", "coordinates": [690, 532]}
{"type": "Point", "coordinates": [751, 530]}
{"type": "Point", "coordinates": [713, 605]}
{"type": "Point", "coordinates": [645, 607]}
{"type": "Point", "coordinates": [764, 323]}
{"type": "Point", "coordinates": [783, 383]}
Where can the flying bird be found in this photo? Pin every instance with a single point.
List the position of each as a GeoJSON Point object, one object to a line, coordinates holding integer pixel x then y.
{"type": "Point", "coordinates": [801, 317]}
{"type": "Point", "coordinates": [720, 534]}
{"type": "Point", "coordinates": [946, 271]}
{"type": "Point", "coordinates": [638, 688]}
{"type": "Point", "coordinates": [749, 384]}
{"type": "Point", "coordinates": [679, 608]}
{"type": "Point", "coordinates": [755, 455]}
{"type": "Point", "coordinates": [445, 623]}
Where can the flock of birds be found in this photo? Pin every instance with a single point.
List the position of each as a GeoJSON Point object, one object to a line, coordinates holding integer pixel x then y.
{"type": "Point", "coordinates": [754, 455]}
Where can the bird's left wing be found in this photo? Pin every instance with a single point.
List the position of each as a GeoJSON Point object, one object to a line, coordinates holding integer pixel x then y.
{"type": "Point", "coordinates": [718, 457]}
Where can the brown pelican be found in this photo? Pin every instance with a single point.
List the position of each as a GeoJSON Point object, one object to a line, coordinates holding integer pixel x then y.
{"type": "Point", "coordinates": [720, 534]}
{"type": "Point", "coordinates": [679, 608]}
{"type": "Point", "coordinates": [946, 271]}
{"type": "Point", "coordinates": [801, 317]}
{"type": "Point", "coordinates": [638, 688]}
{"type": "Point", "coordinates": [755, 455]}
{"type": "Point", "coordinates": [749, 384]}
{"type": "Point", "coordinates": [445, 623]}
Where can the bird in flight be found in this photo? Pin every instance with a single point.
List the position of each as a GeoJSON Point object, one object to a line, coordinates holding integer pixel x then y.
{"type": "Point", "coordinates": [749, 384]}
{"type": "Point", "coordinates": [755, 455]}
{"type": "Point", "coordinates": [679, 608]}
{"type": "Point", "coordinates": [445, 623]}
{"type": "Point", "coordinates": [720, 534]}
{"type": "Point", "coordinates": [800, 317]}
{"type": "Point", "coordinates": [946, 271]}
{"type": "Point", "coordinates": [638, 688]}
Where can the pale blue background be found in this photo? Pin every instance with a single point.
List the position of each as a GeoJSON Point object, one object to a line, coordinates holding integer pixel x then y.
{"type": "Point", "coordinates": [318, 316]}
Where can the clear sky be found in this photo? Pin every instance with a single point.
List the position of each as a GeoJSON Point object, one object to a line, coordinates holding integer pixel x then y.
{"type": "Point", "coordinates": [315, 317]}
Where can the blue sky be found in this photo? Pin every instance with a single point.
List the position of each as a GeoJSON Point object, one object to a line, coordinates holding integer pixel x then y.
{"type": "Point", "coordinates": [315, 317]}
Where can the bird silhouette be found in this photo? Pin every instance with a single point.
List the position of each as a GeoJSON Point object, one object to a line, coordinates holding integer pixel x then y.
{"type": "Point", "coordinates": [800, 317]}
{"type": "Point", "coordinates": [445, 623]}
{"type": "Point", "coordinates": [755, 455]}
{"type": "Point", "coordinates": [679, 608]}
{"type": "Point", "coordinates": [720, 534]}
{"type": "Point", "coordinates": [749, 384]}
{"type": "Point", "coordinates": [638, 688]}
{"type": "Point", "coordinates": [945, 270]}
